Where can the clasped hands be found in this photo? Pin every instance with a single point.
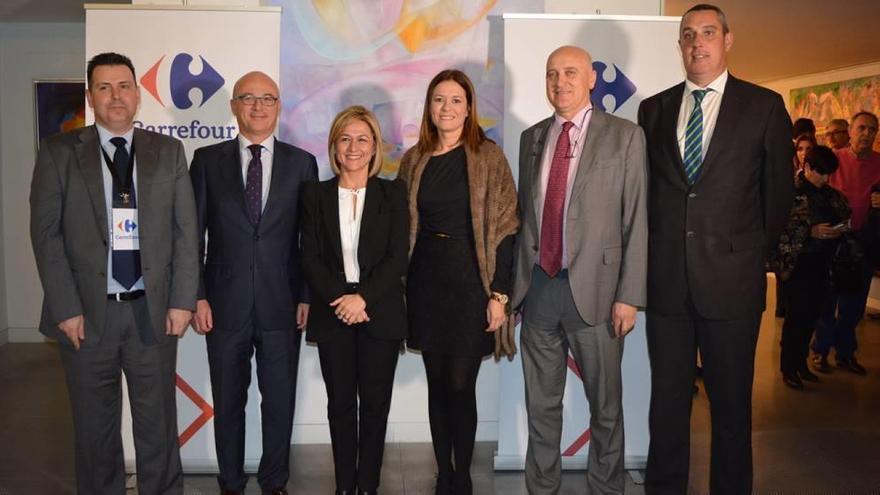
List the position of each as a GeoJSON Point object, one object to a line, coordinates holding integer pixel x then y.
{"type": "Point", "coordinates": [351, 309]}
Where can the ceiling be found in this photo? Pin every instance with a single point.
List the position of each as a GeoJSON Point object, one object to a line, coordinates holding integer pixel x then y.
{"type": "Point", "coordinates": [773, 39]}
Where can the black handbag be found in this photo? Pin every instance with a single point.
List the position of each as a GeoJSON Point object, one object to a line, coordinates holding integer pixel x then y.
{"type": "Point", "coordinates": [847, 266]}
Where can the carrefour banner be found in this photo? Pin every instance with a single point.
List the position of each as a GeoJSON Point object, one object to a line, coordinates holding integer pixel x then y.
{"type": "Point", "coordinates": [634, 57]}
{"type": "Point", "coordinates": [186, 62]}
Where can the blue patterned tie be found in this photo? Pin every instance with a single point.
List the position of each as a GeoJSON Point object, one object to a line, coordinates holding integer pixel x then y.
{"type": "Point", "coordinates": [126, 264]}
{"type": "Point", "coordinates": [693, 138]}
{"type": "Point", "coordinates": [253, 189]}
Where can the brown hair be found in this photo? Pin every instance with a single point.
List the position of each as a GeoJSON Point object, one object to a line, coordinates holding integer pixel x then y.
{"type": "Point", "coordinates": [472, 135]}
{"type": "Point", "coordinates": [343, 118]}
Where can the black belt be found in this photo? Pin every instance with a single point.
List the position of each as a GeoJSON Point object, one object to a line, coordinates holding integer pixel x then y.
{"type": "Point", "coordinates": [126, 296]}
{"type": "Point", "coordinates": [443, 235]}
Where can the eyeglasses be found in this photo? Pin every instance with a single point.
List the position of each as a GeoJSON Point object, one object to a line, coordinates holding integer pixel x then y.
{"type": "Point", "coordinates": [249, 99]}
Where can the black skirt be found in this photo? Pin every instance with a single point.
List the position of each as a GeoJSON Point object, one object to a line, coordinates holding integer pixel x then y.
{"type": "Point", "coordinates": [445, 298]}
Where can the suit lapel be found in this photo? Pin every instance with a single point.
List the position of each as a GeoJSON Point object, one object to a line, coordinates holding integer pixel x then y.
{"type": "Point", "coordinates": [330, 210]}
{"type": "Point", "coordinates": [595, 134]}
{"type": "Point", "coordinates": [670, 108]}
{"type": "Point", "coordinates": [280, 171]}
{"type": "Point", "coordinates": [146, 163]}
{"type": "Point", "coordinates": [231, 163]}
{"type": "Point", "coordinates": [371, 210]}
{"type": "Point", "coordinates": [539, 141]}
{"type": "Point", "coordinates": [728, 117]}
{"type": "Point", "coordinates": [88, 154]}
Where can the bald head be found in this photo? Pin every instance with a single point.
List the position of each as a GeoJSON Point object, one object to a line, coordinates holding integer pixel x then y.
{"type": "Point", "coordinates": [256, 121]}
{"type": "Point", "coordinates": [570, 78]}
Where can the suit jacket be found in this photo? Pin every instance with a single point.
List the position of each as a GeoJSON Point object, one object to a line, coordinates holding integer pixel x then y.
{"type": "Point", "coordinates": [606, 229]}
{"type": "Point", "coordinates": [708, 241]}
{"type": "Point", "coordinates": [383, 249]}
{"type": "Point", "coordinates": [250, 268]}
{"type": "Point", "coordinates": [70, 230]}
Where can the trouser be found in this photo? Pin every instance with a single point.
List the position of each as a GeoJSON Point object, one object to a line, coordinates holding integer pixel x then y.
{"type": "Point", "coordinates": [805, 291]}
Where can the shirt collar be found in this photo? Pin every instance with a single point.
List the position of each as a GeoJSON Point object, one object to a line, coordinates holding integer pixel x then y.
{"type": "Point", "coordinates": [268, 144]}
{"type": "Point", "coordinates": [717, 85]}
{"type": "Point", "coordinates": [104, 135]}
{"type": "Point", "coordinates": [578, 119]}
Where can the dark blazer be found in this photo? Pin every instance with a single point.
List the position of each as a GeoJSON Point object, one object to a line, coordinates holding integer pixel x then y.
{"type": "Point", "coordinates": [250, 267]}
{"type": "Point", "coordinates": [382, 256]}
{"type": "Point", "coordinates": [69, 229]}
{"type": "Point", "coordinates": [708, 241]}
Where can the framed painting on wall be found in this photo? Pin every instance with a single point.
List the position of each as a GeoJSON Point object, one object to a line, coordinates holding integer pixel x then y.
{"type": "Point", "coordinates": [59, 105]}
{"type": "Point", "coordinates": [836, 100]}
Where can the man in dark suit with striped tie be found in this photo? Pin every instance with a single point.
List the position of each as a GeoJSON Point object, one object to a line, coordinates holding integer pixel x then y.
{"type": "Point", "coordinates": [719, 152]}
{"type": "Point", "coordinates": [252, 296]}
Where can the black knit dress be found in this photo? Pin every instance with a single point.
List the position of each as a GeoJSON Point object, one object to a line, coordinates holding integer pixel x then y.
{"type": "Point", "coordinates": [445, 297]}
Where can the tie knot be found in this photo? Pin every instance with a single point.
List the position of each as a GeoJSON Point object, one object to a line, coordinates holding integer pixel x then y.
{"type": "Point", "coordinates": [699, 94]}
{"type": "Point", "coordinates": [255, 150]}
{"type": "Point", "coordinates": [119, 142]}
{"type": "Point", "coordinates": [567, 125]}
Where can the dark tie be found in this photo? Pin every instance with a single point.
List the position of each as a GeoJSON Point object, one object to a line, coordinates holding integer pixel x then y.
{"type": "Point", "coordinates": [126, 264]}
{"type": "Point", "coordinates": [554, 205]}
{"type": "Point", "coordinates": [693, 138]}
{"type": "Point", "coordinates": [253, 189]}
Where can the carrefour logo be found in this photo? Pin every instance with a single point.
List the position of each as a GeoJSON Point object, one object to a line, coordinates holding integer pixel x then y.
{"type": "Point", "coordinates": [621, 88]}
{"type": "Point", "coordinates": [127, 225]}
{"type": "Point", "coordinates": [181, 81]}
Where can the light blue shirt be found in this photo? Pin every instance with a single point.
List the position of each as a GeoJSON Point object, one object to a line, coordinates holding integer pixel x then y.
{"type": "Point", "coordinates": [114, 287]}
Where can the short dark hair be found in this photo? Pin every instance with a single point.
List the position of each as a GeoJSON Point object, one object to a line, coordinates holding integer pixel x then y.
{"type": "Point", "coordinates": [108, 58]}
{"type": "Point", "coordinates": [803, 125]}
{"type": "Point", "coordinates": [864, 113]}
{"type": "Point", "coordinates": [822, 160]}
{"type": "Point", "coordinates": [725, 28]}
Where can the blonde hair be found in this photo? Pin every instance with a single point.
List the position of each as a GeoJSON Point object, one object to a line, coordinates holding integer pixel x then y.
{"type": "Point", "coordinates": [343, 118]}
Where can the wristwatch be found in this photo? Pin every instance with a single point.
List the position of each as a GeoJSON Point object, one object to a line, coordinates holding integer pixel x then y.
{"type": "Point", "coordinates": [502, 298]}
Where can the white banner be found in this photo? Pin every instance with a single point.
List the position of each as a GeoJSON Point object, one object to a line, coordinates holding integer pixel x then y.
{"type": "Point", "coordinates": [186, 62]}
{"type": "Point", "coordinates": [635, 57]}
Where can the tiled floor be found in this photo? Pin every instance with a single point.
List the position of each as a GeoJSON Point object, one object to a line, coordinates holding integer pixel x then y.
{"type": "Point", "coordinates": [824, 440]}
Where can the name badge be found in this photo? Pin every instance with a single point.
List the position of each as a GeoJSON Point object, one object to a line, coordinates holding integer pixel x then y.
{"type": "Point", "coordinates": [126, 231]}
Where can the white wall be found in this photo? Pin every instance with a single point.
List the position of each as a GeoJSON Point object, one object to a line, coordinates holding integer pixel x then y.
{"type": "Point", "coordinates": [784, 86]}
{"type": "Point", "coordinates": [607, 7]}
{"type": "Point", "coordinates": [27, 52]}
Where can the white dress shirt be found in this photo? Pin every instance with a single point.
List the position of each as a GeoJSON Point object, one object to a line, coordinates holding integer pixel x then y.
{"type": "Point", "coordinates": [577, 135]}
{"type": "Point", "coordinates": [351, 211]}
{"type": "Point", "coordinates": [266, 155]}
{"type": "Point", "coordinates": [711, 105]}
{"type": "Point", "coordinates": [114, 287]}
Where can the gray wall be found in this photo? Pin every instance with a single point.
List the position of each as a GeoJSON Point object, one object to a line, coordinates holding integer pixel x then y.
{"type": "Point", "coordinates": [27, 52]}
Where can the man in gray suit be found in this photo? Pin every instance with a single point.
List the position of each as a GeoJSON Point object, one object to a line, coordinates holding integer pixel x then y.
{"type": "Point", "coordinates": [580, 268]}
{"type": "Point", "coordinates": [113, 227]}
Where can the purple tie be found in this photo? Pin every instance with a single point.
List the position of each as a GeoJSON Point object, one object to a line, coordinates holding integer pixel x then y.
{"type": "Point", "coordinates": [253, 190]}
{"type": "Point", "coordinates": [554, 205]}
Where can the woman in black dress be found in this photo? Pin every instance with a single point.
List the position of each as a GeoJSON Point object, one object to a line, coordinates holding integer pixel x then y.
{"type": "Point", "coordinates": [463, 217]}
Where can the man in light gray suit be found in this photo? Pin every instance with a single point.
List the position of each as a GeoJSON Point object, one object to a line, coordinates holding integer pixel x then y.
{"type": "Point", "coordinates": [113, 227]}
{"type": "Point", "coordinates": [580, 268]}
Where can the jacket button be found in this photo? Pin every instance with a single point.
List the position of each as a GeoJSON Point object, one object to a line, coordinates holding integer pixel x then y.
{"type": "Point", "coordinates": [691, 234]}
{"type": "Point", "coordinates": [101, 274]}
{"type": "Point", "coordinates": [256, 237]}
{"type": "Point", "coordinates": [692, 195]}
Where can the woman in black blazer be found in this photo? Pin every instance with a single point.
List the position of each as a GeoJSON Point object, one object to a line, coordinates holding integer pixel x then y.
{"type": "Point", "coordinates": [354, 236]}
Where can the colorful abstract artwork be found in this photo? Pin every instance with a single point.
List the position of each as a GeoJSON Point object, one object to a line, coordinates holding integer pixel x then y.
{"type": "Point", "coordinates": [837, 100]}
{"type": "Point", "coordinates": [382, 55]}
{"type": "Point", "coordinates": [58, 106]}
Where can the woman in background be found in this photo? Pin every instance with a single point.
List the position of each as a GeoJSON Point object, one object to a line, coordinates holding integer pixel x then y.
{"type": "Point", "coordinates": [463, 217]}
{"type": "Point", "coordinates": [354, 256]}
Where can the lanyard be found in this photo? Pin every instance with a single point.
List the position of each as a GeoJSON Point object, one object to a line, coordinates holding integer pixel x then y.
{"type": "Point", "coordinates": [126, 187]}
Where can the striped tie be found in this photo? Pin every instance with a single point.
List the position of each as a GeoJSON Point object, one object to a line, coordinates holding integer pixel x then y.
{"type": "Point", "coordinates": [693, 138]}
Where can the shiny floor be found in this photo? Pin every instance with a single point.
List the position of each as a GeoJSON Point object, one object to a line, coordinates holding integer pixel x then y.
{"type": "Point", "coordinates": [823, 440]}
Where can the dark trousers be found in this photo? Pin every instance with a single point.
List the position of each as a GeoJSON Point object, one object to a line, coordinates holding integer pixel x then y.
{"type": "Point", "coordinates": [805, 291]}
{"type": "Point", "coordinates": [841, 313]}
{"type": "Point", "coordinates": [229, 357]}
{"type": "Point", "coordinates": [94, 383]}
{"type": "Point", "coordinates": [357, 366]}
{"type": "Point", "coordinates": [727, 352]}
